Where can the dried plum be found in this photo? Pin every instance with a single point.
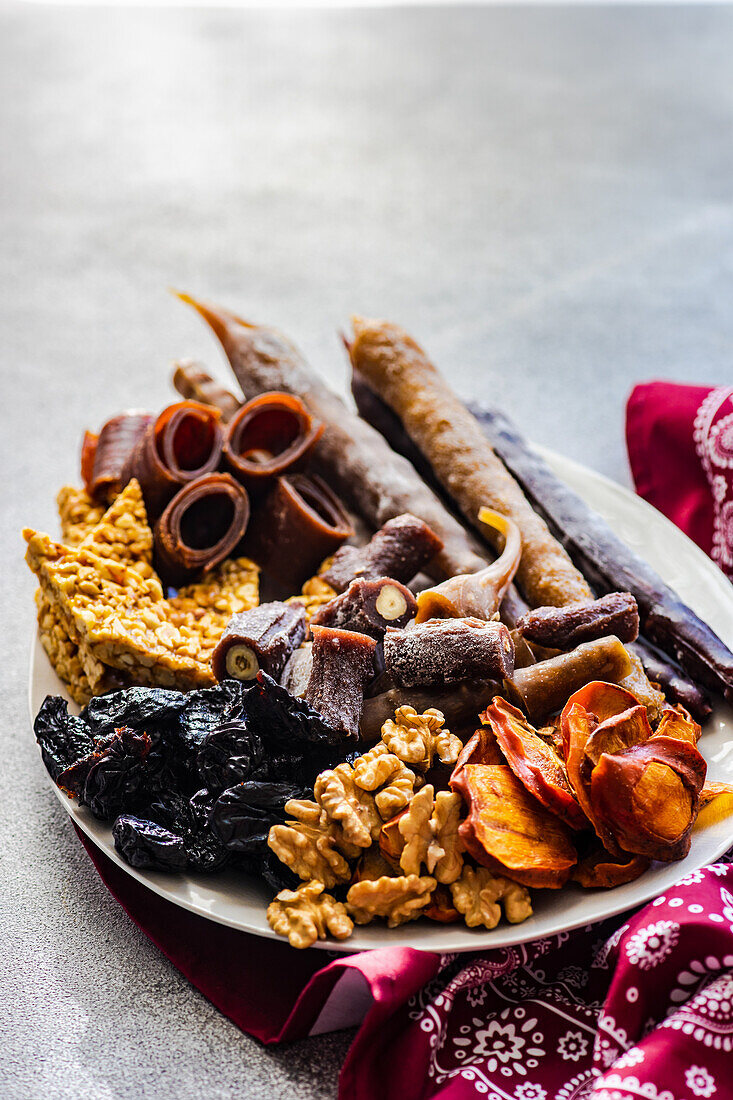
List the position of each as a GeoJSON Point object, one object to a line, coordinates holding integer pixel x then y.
{"type": "Point", "coordinates": [120, 777]}
{"type": "Point", "coordinates": [147, 845]}
{"type": "Point", "coordinates": [280, 719]}
{"type": "Point", "coordinates": [277, 876]}
{"type": "Point", "coordinates": [207, 708]}
{"type": "Point", "coordinates": [63, 738]}
{"type": "Point", "coordinates": [204, 847]}
{"type": "Point", "coordinates": [229, 755]}
{"type": "Point", "coordinates": [242, 815]}
{"type": "Point", "coordinates": [136, 707]}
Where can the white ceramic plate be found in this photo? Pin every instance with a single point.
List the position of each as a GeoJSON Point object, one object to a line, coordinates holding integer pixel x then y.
{"type": "Point", "coordinates": [240, 902]}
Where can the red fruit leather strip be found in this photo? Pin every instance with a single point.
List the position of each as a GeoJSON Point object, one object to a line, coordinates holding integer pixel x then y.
{"type": "Point", "coordinates": [200, 527]}
{"type": "Point", "coordinates": [269, 436]}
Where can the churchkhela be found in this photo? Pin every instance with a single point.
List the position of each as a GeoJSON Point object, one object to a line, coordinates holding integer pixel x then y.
{"type": "Point", "coordinates": [399, 734]}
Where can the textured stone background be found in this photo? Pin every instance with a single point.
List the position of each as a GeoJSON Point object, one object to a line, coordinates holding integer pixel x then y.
{"type": "Point", "coordinates": [542, 195]}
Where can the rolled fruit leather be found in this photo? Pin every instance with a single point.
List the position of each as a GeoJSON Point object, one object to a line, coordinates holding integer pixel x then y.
{"type": "Point", "coordinates": [270, 435]}
{"type": "Point", "coordinates": [195, 384]}
{"type": "Point", "coordinates": [476, 595]}
{"type": "Point", "coordinates": [298, 524]}
{"type": "Point", "coordinates": [355, 460]}
{"type": "Point", "coordinates": [262, 637]}
{"type": "Point", "coordinates": [400, 549]}
{"type": "Point", "coordinates": [104, 456]}
{"type": "Point", "coordinates": [342, 666]}
{"type": "Point", "coordinates": [451, 439]}
{"type": "Point", "coordinates": [200, 527]}
{"type": "Point", "coordinates": [369, 607]}
{"type": "Point", "coordinates": [445, 650]}
{"type": "Point", "coordinates": [184, 443]}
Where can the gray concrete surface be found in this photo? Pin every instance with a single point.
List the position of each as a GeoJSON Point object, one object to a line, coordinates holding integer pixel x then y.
{"type": "Point", "coordinates": [542, 195]}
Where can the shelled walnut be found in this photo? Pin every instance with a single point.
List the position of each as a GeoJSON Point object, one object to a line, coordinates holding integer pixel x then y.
{"type": "Point", "coordinates": [417, 738]}
{"type": "Point", "coordinates": [398, 899]}
{"type": "Point", "coordinates": [348, 805]}
{"type": "Point", "coordinates": [429, 828]}
{"type": "Point", "coordinates": [307, 914]}
{"type": "Point", "coordinates": [310, 852]}
{"type": "Point", "coordinates": [380, 768]}
{"type": "Point", "coordinates": [477, 893]}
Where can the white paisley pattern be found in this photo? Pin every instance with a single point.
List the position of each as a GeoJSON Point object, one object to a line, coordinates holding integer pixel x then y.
{"type": "Point", "coordinates": [714, 446]}
{"type": "Point", "coordinates": [652, 944]}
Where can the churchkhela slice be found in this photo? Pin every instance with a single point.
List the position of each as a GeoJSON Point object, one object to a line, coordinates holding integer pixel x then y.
{"type": "Point", "coordinates": [446, 650]}
{"type": "Point", "coordinates": [401, 548]}
{"type": "Point", "coordinates": [269, 436]}
{"type": "Point", "coordinates": [569, 626]}
{"type": "Point", "coordinates": [368, 607]}
{"type": "Point", "coordinates": [262, 637]}
{"type": "Point", "coordinates": [533, 762]}
{"type": "Point", "coordinates": [183, 443]}
{"type": "Point", "coordinates": [200, 527]}
{"type": "Point", "coordinates": [342, 666]}
{"type": "Point", "coordinates": [298, 524]}
{"type": "Point", "coordinates": [543, 688]}
{"type": "Point", "coordinates": [104, 456]}
{"type": "Point", "coordinates": [476, 595]}
{"type": "Point", "coordinates": [509, 831]}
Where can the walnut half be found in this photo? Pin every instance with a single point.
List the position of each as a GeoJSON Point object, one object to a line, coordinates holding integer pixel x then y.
{"type": "Point", "coordinates": [308, 914]}
{"type": "Point", "coordinates": [477, 893]}
{"type": "Point", "coordinates": [399, 899]}
{"type": "Point", "coordinates": [429, 828]}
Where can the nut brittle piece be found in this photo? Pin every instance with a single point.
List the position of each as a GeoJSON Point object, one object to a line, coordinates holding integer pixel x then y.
{"type": "Point", "coordinates": [348, 805]}
{"type": "Point", "coordinates": [417, 738]}
{"type": "Point", "coordinates": [310, 852]}
{"type": "Point", "coordinates": [308, 914]}
{"type": "Point", "coordinates": [398, 899]}
{"type": "Point", "coordinates": [477, 893]}
{"type": "Point", "coordinates": [61, 651]}
{"type": "Point", "coordinates": [78, 513]}
{"type": "Point", "coordinates": [429, 828]}
{"type": "Point", "coordinates": [123, 533]}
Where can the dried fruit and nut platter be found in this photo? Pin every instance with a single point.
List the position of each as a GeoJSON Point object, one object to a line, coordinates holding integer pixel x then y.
{"type": "Point", "coordinates": [375, 677]}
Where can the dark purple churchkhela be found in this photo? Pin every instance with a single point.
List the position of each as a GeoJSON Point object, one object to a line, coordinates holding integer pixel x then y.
{"type": "Point", "coordinates": [369, 607]}
{"type": "Point", "coordinates": [260, 638]}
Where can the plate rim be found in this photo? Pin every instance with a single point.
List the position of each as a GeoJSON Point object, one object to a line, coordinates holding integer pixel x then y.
{"type": "Point", "coordinates": [464, 939]}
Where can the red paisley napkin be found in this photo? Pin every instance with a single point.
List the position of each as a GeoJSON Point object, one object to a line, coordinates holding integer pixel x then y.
{"type": "Point", "coordinates": [680, 443]}
{"type": "Point", "coordinates": [639, 1008]}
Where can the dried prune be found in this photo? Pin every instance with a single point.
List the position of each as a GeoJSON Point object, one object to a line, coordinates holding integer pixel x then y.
{"type": "Point", "coordinates": [277, 876]}
{"type": "Point", "coordinates": [136, 707]}
{"type": "Point", "coordinates": [204, 848]}
{"type": "Point", "coordinates": [242, 815]}
{"type": "Point", "coordinates": [147, 845]}
{"type": "Point", "coordinates": [63, 738]}
{"type": "Point", "coordinates": [120, 778]}
{"type": "Point", "coordinates": [229, 755]}
{"type": "Point", "coordinates": [280, 719]}
{"type": "Point", "coordinates": [207, 708]}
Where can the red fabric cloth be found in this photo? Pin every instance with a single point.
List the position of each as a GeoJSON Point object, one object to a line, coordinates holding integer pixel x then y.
{"type": "Point", "coordinates": [680, 444]}
{"type": "Point", "coordinates": [636, 1007]}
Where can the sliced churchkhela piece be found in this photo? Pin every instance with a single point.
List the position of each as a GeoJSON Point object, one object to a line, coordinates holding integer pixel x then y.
{"type": "Point", "coordinates": [451, 439]}
{"type": "Point", "coordinates": [676, 684]}
{"type": "Point", "coordinates": [369, 607]}
{"type": "Point", "coordinates": [298, 524]}
{"type": "Point", "coordinates": [566, 627]}
{"type": "Point", "coordinates": [104, 456]}
{"type": "Point", "coordinates": [200, 527]}
{"type": "Point", "coordinates": [262, 637]}
{"type": "Point", "coordinates": [460, 703]}
{"type": "Point", "coordinates": [297, 671]}
{"type": "Point", "coordinates": [352, 456]}
{"type": "Point", "coordinates": [342, 665]}
{"type": "Point", "coordinates": [507, 830]}
{"type": "Point", "coordinates": [194, 383]}
{"type": "Point", "coordinates": [543, 688]}
{"type": "Point", "coordinates": [270, 435]}
{"type": "Point", "coordinates": [446, 650]}
{"type": "Point", "coordinates": [476, 595]}
{"type": "Point", "coordinates": [181, 445]}
{"type": "Point", "coordinates": [533, 762]}
{"type": "Point", "coordinates": [400, 548]}
{"type": "Point", "coordinates": [610, 565]}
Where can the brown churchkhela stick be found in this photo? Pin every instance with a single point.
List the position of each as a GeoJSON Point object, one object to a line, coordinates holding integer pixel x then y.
{"type": "Point", "coordinates": [566, 627]}
{"type": "Point", "coordinates": [451, 439]}
{"type": "Point", "coordinates": [479, 594]}
{"type": "Point", "coordinates": [351, 455]}
{"type": "Point", "coordinates": [200, 527]}
{"type": "Point", "coordinates": [369, 607]}
{"type": "Point", "coordinates": [262, 637]}
{"type": "Point", "coordinates": [460, 703]}
{"type": "Point", "coordinates": [195, 384]}
{"type": "Point", "coordinates": [543, 688]}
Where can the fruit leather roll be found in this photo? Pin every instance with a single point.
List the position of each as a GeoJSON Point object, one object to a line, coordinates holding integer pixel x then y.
{"type": "Point", "coordinates": [298, 524]}
{"type": "Point", "coordinates": [452, 441]}
{"type": "Point", "coordinates": [262, 637]}
{"type": "Point", "coordinates": [196, 384]}
{"type": "Point", "coordinates": [200, 527]}
{"type": "Point", "coordinates": [399, 549]}
{"type": "Point", "coordinates": [373, 480]}
{"type": "Point", "coordinates": [369, 607]}
{"type": "Point", "coordinates": [270, 435]}
{"type": "Point", "coordinates": [104, 457]}
{"type": "Point", "coordinates": [184, 443]}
